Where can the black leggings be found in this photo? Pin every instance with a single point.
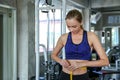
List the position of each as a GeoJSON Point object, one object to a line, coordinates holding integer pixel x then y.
{"type": "Point", "coordinates": [65, 76]}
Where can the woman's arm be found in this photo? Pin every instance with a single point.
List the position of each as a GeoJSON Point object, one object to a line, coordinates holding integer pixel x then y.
{"type": "Point", "coordinates": [56, 51]}
{"type": "Point", "coordinates": [95, 43]}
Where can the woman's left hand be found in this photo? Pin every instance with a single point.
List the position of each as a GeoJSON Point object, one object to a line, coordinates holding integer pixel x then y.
{"type": "Point", "coordinates": [73, 66]}
{"type": "Point", "coordinates": [76, 65]}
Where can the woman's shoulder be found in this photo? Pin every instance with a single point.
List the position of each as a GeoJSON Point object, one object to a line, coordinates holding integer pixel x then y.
{"type": "Point", "coordinates": [92, 36]}
{"type": "Point", "coordinates": [63, 37]}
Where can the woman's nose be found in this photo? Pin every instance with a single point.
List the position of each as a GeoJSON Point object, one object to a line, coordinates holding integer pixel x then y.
{"type": "Point", "coordinates": [70, 29]}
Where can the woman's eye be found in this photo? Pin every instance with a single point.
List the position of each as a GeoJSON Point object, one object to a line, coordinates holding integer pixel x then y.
{"type": "Point", "coordinates": [72, 26]}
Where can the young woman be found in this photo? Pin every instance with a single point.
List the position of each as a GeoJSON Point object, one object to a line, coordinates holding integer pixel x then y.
{"type": "Point", "coordinates": [78, 45]}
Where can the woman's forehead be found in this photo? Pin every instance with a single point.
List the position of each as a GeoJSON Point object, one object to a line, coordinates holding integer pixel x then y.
{"type": "Point", "coordinates": [71, 20]}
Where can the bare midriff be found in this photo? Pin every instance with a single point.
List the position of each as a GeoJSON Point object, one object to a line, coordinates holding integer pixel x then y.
{"type": "Point", "coordinates": [77, 71]}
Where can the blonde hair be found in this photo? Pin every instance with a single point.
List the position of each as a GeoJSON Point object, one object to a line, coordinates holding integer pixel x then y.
{"type": "Point", "coordinates": [74, 14]}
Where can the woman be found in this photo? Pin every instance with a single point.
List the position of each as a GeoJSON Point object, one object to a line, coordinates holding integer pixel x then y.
{"type": "Point", "coordinates": [78, 45]}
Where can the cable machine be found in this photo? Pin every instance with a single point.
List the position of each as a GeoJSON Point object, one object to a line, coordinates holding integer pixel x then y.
{"type": "Point", "coordinates": [49, 66]}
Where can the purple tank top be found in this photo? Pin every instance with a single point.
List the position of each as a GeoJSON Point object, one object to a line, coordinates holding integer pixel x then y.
{"type": "Point", "coordinates": [80, 51]}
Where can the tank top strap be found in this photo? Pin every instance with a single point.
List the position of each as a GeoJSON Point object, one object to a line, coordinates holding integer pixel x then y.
{"type": "Point", "coordinates": [85, 39]}
{"type": "Point", "coordinates": [69, 37]}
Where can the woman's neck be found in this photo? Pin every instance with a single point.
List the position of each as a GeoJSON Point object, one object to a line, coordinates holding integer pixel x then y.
{"type": "Point", "coordinates": [80, 32]}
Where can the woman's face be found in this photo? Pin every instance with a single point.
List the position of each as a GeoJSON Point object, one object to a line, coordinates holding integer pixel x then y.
{"type": "Point", "coordinates": [73, 25]}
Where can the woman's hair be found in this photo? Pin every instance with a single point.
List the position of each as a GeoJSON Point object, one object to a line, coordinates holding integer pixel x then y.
{"type": "Point", "coordinates": [74, 14]}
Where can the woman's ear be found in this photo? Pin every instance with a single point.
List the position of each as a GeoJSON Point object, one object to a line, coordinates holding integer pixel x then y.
{"type": "Point", "coordinates": [81, 23]}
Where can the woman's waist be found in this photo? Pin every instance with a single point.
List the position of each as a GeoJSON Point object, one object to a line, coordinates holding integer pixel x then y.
{"type": "Point", "coordinates": [76, 60]}
{"type": "Point", "coordinates": [77, 71]}
{"type": "Point", "coordinates": [72, 61]}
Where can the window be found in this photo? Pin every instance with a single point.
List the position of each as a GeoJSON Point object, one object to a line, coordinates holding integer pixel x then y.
{"type": "Point", "coordinates": [50, 28]}
{"type": "Point", "coordinates": [115, 19]}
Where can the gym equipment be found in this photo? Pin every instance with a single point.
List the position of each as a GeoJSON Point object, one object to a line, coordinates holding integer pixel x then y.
{"type": "Point", "coordinates": [114, 58]}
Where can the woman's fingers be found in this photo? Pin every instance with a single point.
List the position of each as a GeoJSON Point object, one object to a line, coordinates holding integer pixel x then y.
{"type": "Point", "coordinates": [71, 68]}
{"type": "Point", "coordinates": [64, 63]}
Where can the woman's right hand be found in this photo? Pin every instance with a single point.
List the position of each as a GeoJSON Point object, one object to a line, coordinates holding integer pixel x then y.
{"type": "Point", "coordinates": [64, 63]}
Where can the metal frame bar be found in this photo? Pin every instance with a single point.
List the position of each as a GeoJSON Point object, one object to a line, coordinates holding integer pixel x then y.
{"type": "Point", "coordinates": [37, 37]}
{"type": "Point", "coordinates": [14, 74]}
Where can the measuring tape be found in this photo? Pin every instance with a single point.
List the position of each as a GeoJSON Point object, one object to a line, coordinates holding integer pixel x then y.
{"type": "Point", "coordinates": [71, 73]}
{"type": "Point", "coordinates": [71, 77]}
